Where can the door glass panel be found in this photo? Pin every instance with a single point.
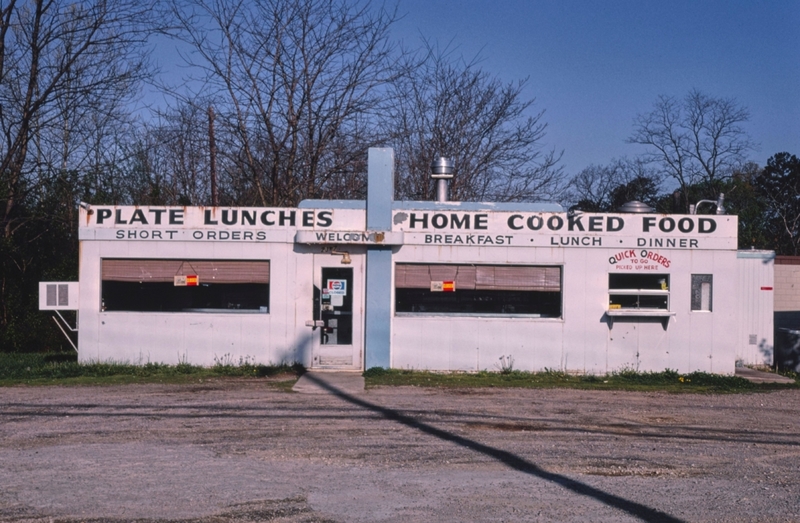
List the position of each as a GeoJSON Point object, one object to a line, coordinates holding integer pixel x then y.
{"type": "Point", "coordinates": [336, 306]}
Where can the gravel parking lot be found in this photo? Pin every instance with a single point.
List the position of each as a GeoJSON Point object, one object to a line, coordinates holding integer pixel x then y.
{"type": "Point", "coordinates": [240, 450]}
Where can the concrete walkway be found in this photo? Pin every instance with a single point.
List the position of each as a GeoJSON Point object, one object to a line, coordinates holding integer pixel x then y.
{"type": "Point", "coordinates": [330, 382]}
{"type": "Point", "coordinates": [757, 376]}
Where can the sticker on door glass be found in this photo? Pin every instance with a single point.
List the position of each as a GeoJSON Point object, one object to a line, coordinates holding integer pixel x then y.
{"type": "Point", "coordinates": [337, 287]}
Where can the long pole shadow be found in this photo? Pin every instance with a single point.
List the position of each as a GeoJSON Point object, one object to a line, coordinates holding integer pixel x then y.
{"type": "Point", "coordinates": [513, 461]}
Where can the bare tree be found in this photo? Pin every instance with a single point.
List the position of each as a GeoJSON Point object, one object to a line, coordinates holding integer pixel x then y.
{"type": "Point", "coordinates": [67, 69]}
{"type": "Point", "coordinates": [603, 188]}
{"type": "Point", "coordinates": [64, 69]}
{"type": "Point", "coordinates": [698, 139]}
{"type": "Point", "coordinates": [445, 106]}
{"type": "Point", "coordinates": [297, 84]}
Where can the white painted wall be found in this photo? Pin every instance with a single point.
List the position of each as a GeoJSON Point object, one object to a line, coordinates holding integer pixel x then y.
{"type": "Point", "coordinates": [197, 338]}
{"type": "Point", "coordinates": [581, 341]}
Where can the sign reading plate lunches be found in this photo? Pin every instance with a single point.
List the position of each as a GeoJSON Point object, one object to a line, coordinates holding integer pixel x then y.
{"type": "Point", "coordinates": [621, 232]}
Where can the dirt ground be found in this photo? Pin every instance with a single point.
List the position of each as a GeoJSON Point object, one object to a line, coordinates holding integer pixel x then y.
{"type": "Point", "coordinates": [240, 451]}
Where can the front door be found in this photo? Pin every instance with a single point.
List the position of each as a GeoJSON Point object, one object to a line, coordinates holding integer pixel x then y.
{"type": "Point", "coordinates": [338, 337]}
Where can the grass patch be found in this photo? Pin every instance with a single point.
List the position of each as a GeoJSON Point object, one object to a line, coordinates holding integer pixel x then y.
{"type": "Point", "coordinates": [668, 381]}
{"type": "Point", "coordinates": [64, 369]}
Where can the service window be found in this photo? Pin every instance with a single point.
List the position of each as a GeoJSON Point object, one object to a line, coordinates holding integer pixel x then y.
{"type": "Point", "coordinates": [478, 289]}
{"type": "Point", "coordinates": [701, 292]}
{"type": "Point", "coordinates": [638, 291]}
{"type": "Point", "coordinates": [185, 286]}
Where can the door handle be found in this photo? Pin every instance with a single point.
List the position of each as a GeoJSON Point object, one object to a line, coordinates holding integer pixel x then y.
{"type": "Point", "coordinates": [314, 324]}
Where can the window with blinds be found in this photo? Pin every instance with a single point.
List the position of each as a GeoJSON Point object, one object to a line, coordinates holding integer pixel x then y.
{"type": "Point", "coordinates": [478, 289]}
{"type": "Point", "coordinates": [148, 285]}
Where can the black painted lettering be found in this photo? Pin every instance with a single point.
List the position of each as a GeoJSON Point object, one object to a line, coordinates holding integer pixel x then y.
{"type": "Point", "coordinates": [459, 223]}
{"type": "Point", "coordinates": [614, 223]}
{"type": "Point", "coordinates": [535, 223]}
{"type": "Point", "coordinates": [414, 220]}
{"type": "Point", "coordinates": [157, 214]}
{"type": "Point", "coordinates": [248, 217]}
{"type": "Point", "coordinates": [555, 223]}
{"type": "Point", "coordinates": [230, 217]}
{"type": "Point", "coordinates": [324, 218]}
{"type": "Point", "coordinates": [138, 217]}
{"type": "Point", "coordinates": [265, 218]}
{"type": "Point", "coordinates": [286, 216]}
{"type": "Point", "coordinates": [176, 216]}
{"type": "Point", "coordinates": [439, 221]}
{"type": "Point", "coordinates": [706, 226]}
{"type": "Point", "coordinates": [102, 214]}
{"type": "Point", "coordinates": [512, 222]}
{"type": "Point", "coordinates": [574, 222]}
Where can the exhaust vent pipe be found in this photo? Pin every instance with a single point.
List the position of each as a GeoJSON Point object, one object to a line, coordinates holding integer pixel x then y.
{"type": "Point", "coordinates": [442, 171]}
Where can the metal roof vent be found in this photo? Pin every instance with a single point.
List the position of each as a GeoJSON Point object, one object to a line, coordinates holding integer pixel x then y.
{"type": "Point", "coordinates": [635, 207]}
{"type": "Point", "coordinates": [442, 171]}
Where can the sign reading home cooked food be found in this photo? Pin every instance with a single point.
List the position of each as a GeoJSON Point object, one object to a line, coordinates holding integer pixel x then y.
{"type": "Point", "coordinates": [347, 226]}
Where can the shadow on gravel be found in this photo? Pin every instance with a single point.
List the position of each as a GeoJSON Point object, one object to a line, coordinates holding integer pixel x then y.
{"type": "Point", "coordinates": [513, 461]}
{"type": "Point", "coordinates": [10, 410]}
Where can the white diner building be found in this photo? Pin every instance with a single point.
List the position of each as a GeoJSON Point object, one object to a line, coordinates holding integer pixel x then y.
{"type": "Point", "coordinates": [446, 286]}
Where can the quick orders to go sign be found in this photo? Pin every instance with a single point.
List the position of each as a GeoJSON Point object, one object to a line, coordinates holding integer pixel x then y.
{"type": "Point", "coordinates": [644, 256]}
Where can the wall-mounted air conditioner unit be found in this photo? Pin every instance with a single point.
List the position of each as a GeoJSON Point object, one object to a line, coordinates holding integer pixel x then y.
{"type": "Point", "coordinates": [58, 296]}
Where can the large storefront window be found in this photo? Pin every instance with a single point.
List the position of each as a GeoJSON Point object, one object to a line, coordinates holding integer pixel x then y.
{"type": "Point", "coordinates": [478, 289]}
{"type": "Point", "coordinates": [185, 286]}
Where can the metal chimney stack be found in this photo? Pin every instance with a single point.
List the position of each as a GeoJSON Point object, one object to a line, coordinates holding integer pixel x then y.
{"type": "Point", "coordinates": [442, 172]}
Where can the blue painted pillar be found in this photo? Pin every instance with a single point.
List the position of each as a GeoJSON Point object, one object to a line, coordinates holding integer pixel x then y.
{"type": "Point", "coordinates": [378, 314]}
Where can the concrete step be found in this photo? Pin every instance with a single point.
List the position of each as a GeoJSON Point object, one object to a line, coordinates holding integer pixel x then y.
{"type": "Point", "coordinates": [757, 376]}
{"type": "Point", "coordinates": [330, 383]}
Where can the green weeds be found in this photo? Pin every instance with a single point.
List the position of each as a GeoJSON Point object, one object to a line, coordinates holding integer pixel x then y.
{"type": "Point", "coordinates": [668, 381]}
{"type": "Point", "coordinates": [63, 368]}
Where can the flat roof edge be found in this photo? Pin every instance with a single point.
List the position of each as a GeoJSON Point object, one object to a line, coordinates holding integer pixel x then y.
{"type": "Point", "coordinates": [436, 206]}
{"type": "Point", "coordinates": [477, 206]}
{"type": "Point", "coordinates": [332, 204]}
{"type": "Point", "coordinates": [752, 253]}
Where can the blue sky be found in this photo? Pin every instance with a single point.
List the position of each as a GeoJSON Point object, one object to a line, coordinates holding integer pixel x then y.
{"type": "Point", "coordinates": [593, 66]}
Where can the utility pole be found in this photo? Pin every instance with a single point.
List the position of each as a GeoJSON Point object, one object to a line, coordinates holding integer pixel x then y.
{"type": "Point", "coordinates": [212, 151]}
